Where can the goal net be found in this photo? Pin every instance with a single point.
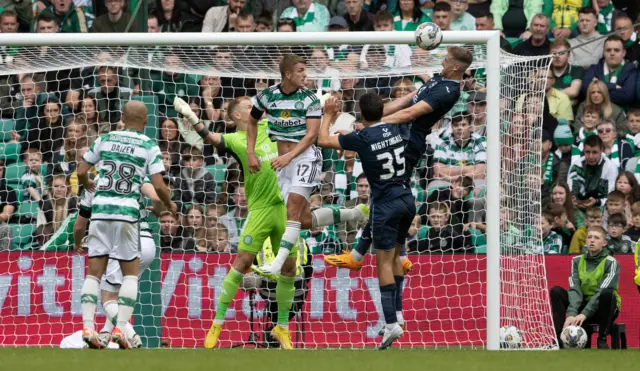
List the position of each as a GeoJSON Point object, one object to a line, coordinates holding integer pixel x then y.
{"type": "Point", "coordinates": [55, 101]}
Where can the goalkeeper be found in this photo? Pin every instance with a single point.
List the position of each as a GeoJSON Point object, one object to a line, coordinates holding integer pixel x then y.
{"type": "Point", "coordinates": [267, 216]}
{"type": "Point", "coordinates": [593, 290]}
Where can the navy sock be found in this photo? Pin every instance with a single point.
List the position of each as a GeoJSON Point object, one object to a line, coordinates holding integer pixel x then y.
{"type": "Point", "coordinates": [387, 297]}
{"type": "Point", "coordinates": [365, 241]}
{"type": "Point", "coordinates": [399, 287]}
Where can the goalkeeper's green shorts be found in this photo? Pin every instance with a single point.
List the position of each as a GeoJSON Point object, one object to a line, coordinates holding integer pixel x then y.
{"type": "Point", "coordinates": [267, 222]}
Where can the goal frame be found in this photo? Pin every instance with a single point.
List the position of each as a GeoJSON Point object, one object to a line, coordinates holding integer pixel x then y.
{"type": "Point", "coordinates": [489, 38]}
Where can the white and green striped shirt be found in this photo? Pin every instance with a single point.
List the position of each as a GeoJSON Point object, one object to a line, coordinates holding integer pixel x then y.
{"type": "Point", "coordinates": [123, 159]}
{"type": "Point", "coordinates": [86, 203]}
{"type": "Point", "coordinates": [287, 114]}
{"type": "Point", "coordinates": [450, 154]}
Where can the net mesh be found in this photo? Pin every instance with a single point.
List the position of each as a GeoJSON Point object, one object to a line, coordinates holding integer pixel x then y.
{"type": "Point", "coordinates": [58, 100]}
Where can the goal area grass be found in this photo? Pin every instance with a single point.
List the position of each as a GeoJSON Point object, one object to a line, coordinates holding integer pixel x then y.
{"type": "Point", "coordinates": [312, 360]}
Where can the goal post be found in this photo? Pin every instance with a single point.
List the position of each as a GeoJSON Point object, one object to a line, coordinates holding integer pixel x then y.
{"type": "Point", "coordinates": [79, 51]}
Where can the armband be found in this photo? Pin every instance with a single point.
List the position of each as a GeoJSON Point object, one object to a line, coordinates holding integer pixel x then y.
{"type": "Point", "coordinates": [204, 132]}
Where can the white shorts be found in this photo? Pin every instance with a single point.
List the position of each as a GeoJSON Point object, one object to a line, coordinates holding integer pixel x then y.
{"type": "Point", "coordinates": [303, 172]}
{"type": "Point", "coordinates": [115, 239]}
{"type": "Point", "coordinates": [112, 278]}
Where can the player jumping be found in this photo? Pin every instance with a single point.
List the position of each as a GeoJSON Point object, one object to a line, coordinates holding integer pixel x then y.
{"type": "Point", "coordinates": [381, 150]}
{"type": "Point", "coordinates": [422, 111]}
{"type": "Point", "coordinates": [124, 159]}
{"type": "Point", "coordinates": [293, 113]}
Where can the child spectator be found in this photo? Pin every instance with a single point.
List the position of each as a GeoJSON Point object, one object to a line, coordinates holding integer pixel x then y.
{"type": "Point", "coordinates": [618, 243]}
{"type": "Point", "coordinates": [57, 202]}
{"type": "Point", "coordinates": [593, 176]}
{"type": "Point", "coordinates": [95, 126]}
{"type": "Point", "coordinates": [32, 181]}
{"type": "Point", "coordinates": [594, 218]}
{"type": "Point", "coordinates": [633, 134]}
{"type": "Point", "coordinates": [235, 219]}
{"type": "Point", "coordinates": [75, 137]}
{"type": "Point", "coordinates": [457, 198]}
{"type": "Point", "coordinates": [560, 195]}
{"type": "Point", "coordinates": [169, 141]}
{"type": "Point", "coordinates": [510, 235]}
{"type": "Point", "coordinates": [567, 151]}
{"type": "Point", "coordinates": [618, 150]}
{"type": "Point", "coordinates": [616, 202]}
{"type": "Point", "coordinates": [196, 183]}
{"type": "Point", "coordinates": [396, 56]}
{"type": "Point", "coordinates": [73, 177]}
{"type": "Point", "coordinates": [443, 237]}
{"type": "Point", "coordinates": [218, 239]}
{"type": "Point", "coordinates": [193, 222]}
{"type": "Point", "coordinates": [628, 184]}
{"type": "Point", "coordinates": [633, 232]}
{"type": "Point", "coordinates": [551, 241]}
{"type": "Point", "coordinates": [588, 122]}
{"type": "Point", "coordinates": [564, 228]}
{"type": "Point", "coordinates": [211, 215]}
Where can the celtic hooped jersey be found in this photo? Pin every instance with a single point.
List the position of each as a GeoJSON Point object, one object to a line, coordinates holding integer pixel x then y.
{"type": "Point", "coordinates": [287, 114]}
{"type": "Point", "coordinates": [123, 159]}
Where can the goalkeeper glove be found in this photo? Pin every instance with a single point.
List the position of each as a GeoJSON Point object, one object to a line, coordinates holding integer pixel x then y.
{"type": "Point", "coordinates": [183, 108]}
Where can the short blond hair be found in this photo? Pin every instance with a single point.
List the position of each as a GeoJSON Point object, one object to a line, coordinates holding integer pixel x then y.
{"type": "Point", "coordinates": [288, 63]}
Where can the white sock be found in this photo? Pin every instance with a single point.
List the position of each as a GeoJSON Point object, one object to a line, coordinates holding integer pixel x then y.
{"type": "Point", "coordinates": [399, 317]}
{"type": "Point", "coordinates": [111, 310]}
{"type": "Point", "coordinates": [289, 239]}
{"type": "Point", "coordinates": [356, 255]}
{"type": "Point", "coordinates": [327, 216]}
{"type": "Point", "coordinates": [284, 326]}
{"type": "Point", "coordinates": [89, 301]}
{"type": "Point", "coordinates": [127, 300]}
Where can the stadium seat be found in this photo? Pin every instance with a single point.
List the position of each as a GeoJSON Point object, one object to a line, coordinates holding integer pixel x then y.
{"type": "Point", "coordinates": [219, 173]}
{"type": "Point", "coordinates": [28, 209]}
{"type": "Point", "coordinates": [423, 232]}
{"type": "Point", "coordinates": [10, 152]}
{"type": "Point", "coordinates": [6, 127]}
{"type": "Point", "coordinates": [151, 101]}
{"type": "Point", "coordinates": [22, 235]}
{"type": "Point", "coordinates": [14, 172]}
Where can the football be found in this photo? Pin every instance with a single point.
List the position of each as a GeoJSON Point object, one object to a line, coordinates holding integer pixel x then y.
{"type": "Point", "coordinates": [428, 36]}
{"type": "Point", "coordinates": [573, 337]}
{"type": "Point", "coordinates": [510, 337]}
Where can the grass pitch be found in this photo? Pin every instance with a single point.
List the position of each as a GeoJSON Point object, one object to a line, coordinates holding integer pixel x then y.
{"type": "Point", "coordinates": [312, 360]}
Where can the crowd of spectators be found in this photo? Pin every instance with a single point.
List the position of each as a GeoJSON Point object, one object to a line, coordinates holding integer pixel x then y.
{"type": "Point", "coordinates": [589, 145]}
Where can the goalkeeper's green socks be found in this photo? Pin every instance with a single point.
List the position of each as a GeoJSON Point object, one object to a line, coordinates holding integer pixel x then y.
{"type": "Point", "coordinates": [229, 289]}
{"type": "Point", "coordinates": [284, 297]}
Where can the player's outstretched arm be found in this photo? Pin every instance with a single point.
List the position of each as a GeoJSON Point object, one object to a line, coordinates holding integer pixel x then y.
{"type": "Point", "coordinates": [324, 139]}
{"type": "Point", "coordinates": [408, 114]}
{"type": "Point", "coordinates": [183, 109]}
{"type": "Point", "coordinates": [398, 104]}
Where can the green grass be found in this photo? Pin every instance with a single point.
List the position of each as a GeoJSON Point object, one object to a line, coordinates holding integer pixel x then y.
{"type": "Point", "coordinates": [311, 360]}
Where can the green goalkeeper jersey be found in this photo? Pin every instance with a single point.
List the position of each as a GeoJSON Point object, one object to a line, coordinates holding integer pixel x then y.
{"type": "Point", "coordinates": [261, 188]}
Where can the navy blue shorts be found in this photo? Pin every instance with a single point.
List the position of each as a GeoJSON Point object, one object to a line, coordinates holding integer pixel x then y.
{"type": "Point", "coordinates": [391, 220]}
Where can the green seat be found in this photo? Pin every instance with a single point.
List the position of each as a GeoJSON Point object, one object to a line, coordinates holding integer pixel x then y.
{"type": "Point", "coordinates": [22, 235]}
{"type": "Point", "coordinates": [151, 101]}
{"type": "Point", "coordinates": [28, 209]}
{"type": "Point", "coordinates": [219, 173]}
{"type": "Point", "coordinates": [423, 232]}
{"type": "Point", "coordinates": [10, 152]}
{"type": "Point", "coordinates": [6, 127]}
{"type": "Point", "coordinates": [478, 240]}
{"type": "Point", "coordinates": [13, 172]}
